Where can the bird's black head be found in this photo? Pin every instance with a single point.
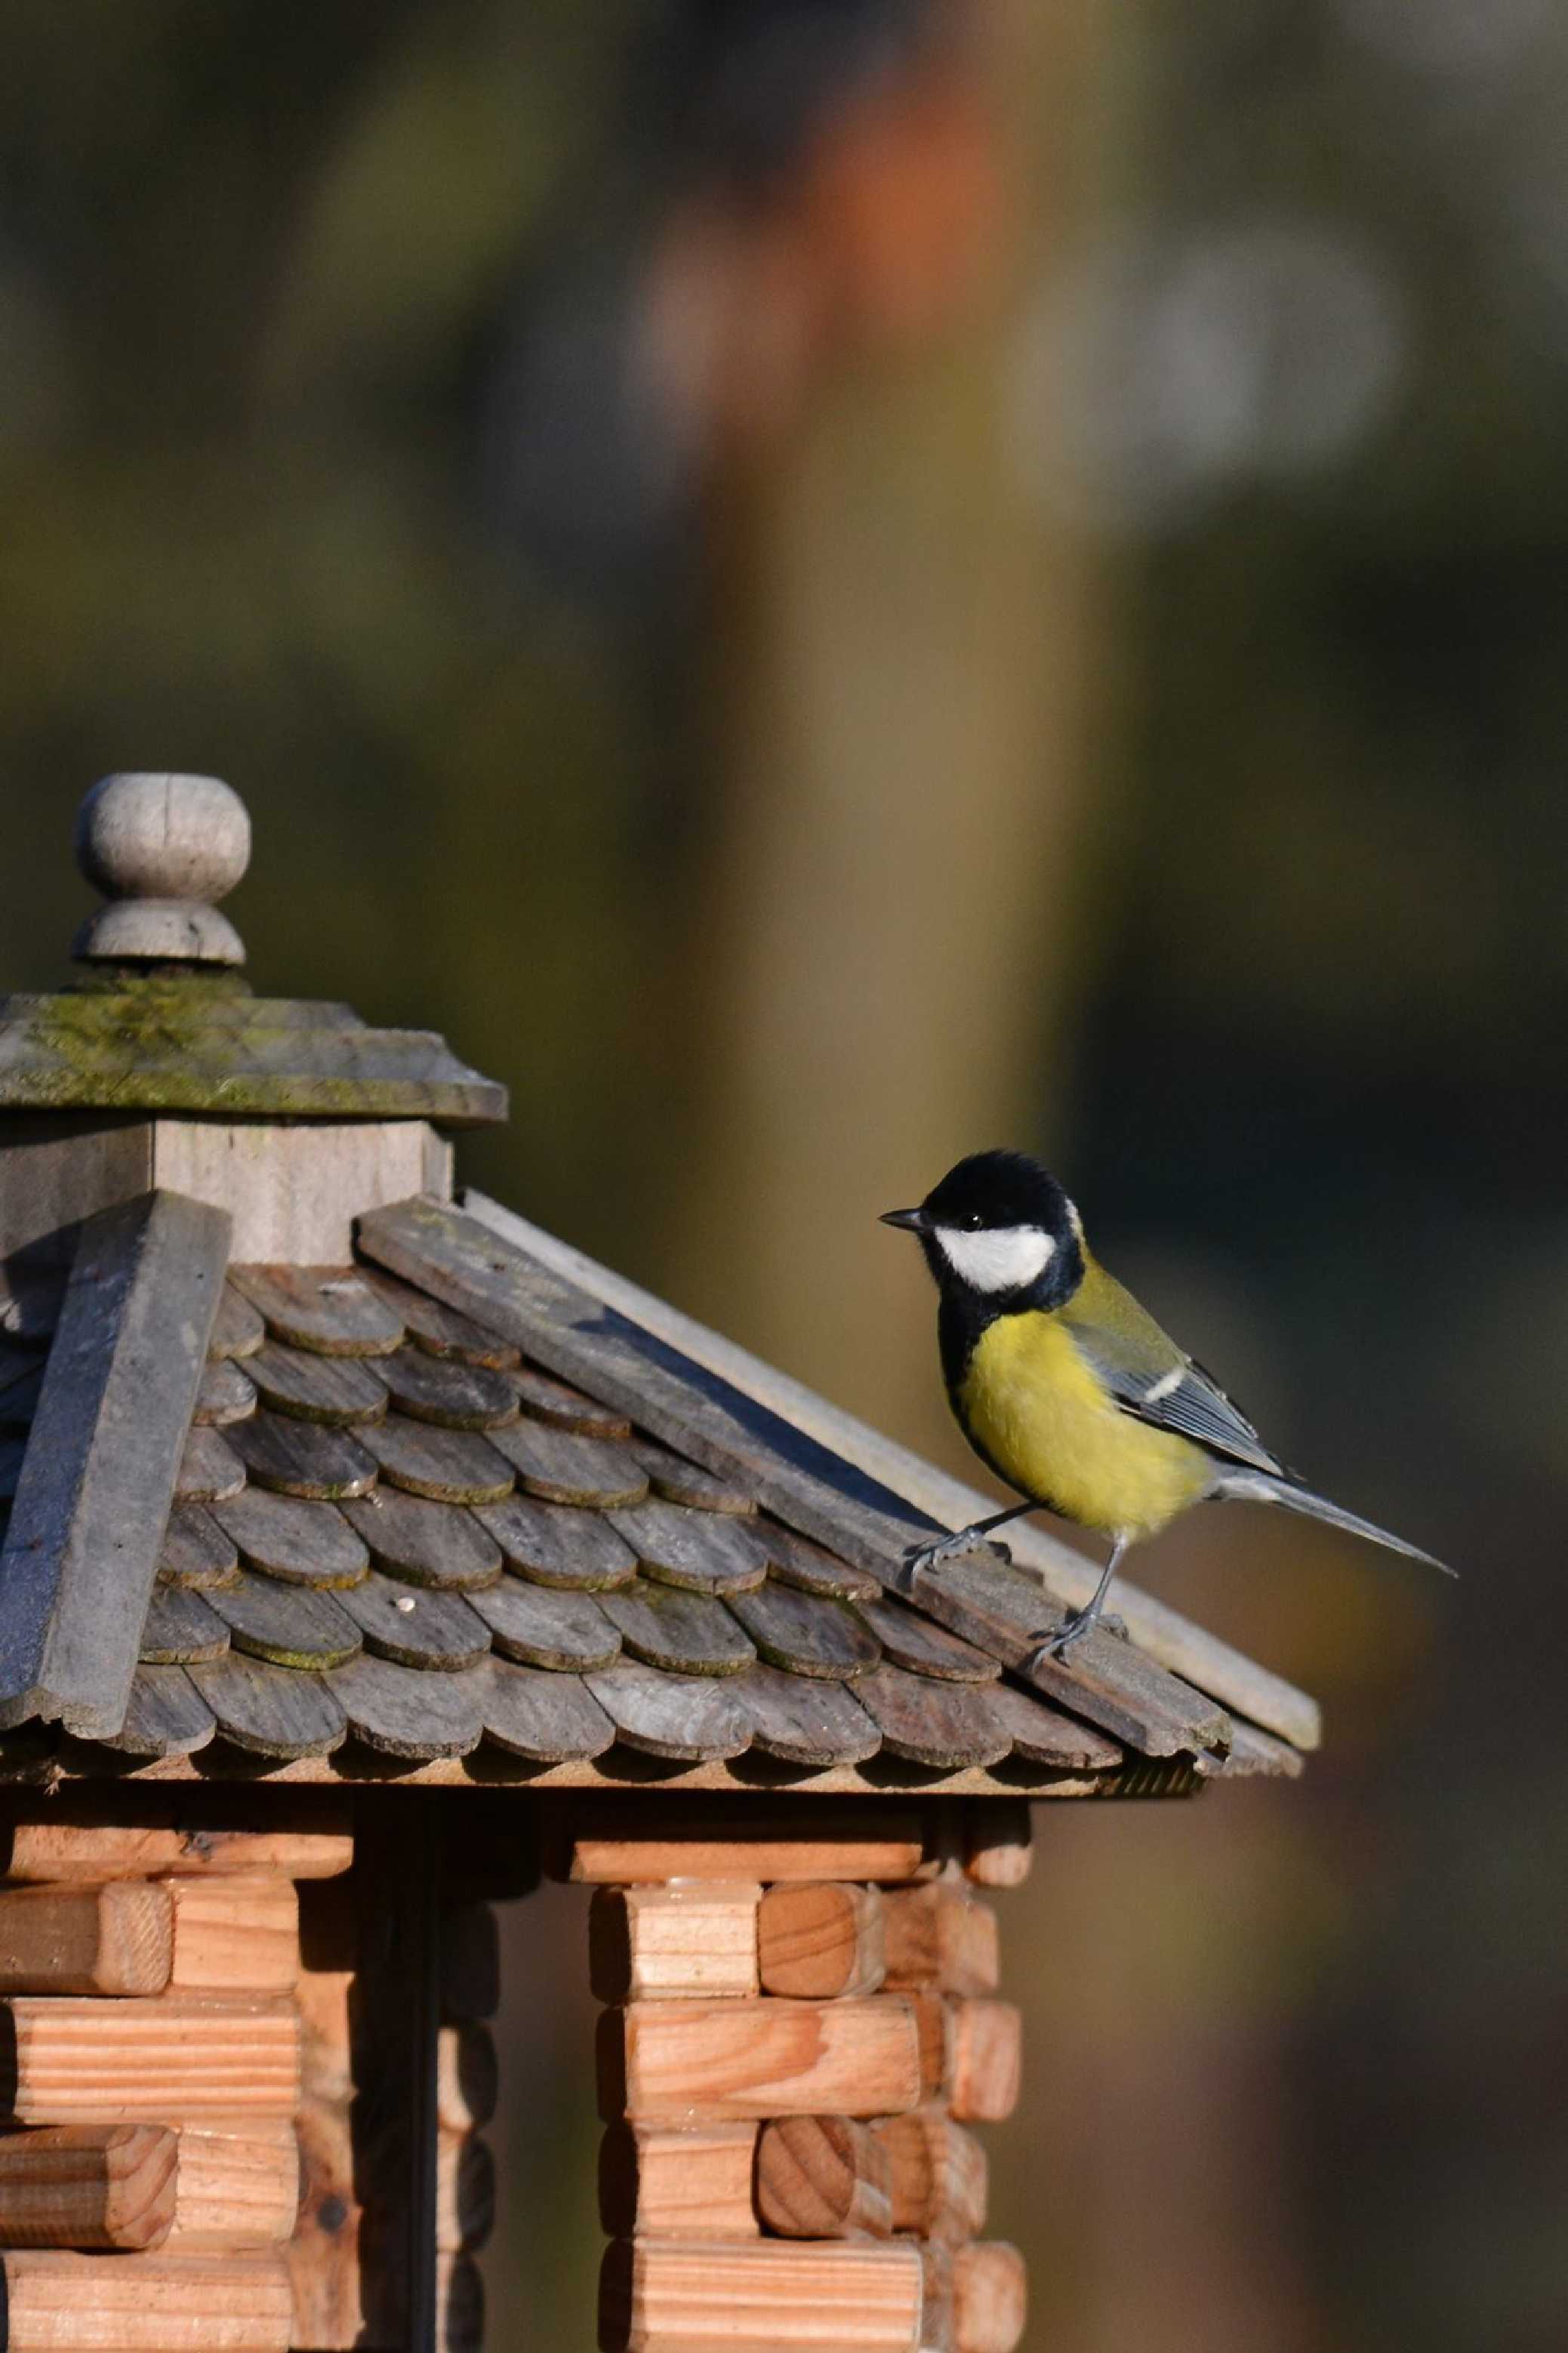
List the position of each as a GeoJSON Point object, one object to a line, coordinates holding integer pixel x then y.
{"type": "Point", "coordinates": [1000, 1226]}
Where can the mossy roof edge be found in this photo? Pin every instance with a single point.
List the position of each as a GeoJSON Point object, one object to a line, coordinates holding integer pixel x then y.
{"type": "Point", "coordinates": [176, 1049]}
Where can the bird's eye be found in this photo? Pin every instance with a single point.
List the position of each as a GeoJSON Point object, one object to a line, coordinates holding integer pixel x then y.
{"type": "Point", "coordinates": [972, 1223]}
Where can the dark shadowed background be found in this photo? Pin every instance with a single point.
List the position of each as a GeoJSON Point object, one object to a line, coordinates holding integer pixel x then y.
{"type": "Point", "coordinates": [821, 582]}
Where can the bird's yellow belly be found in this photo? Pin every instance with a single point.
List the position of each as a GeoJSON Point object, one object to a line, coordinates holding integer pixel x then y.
{"type": "Point", "coordinates": [1035, 1411]}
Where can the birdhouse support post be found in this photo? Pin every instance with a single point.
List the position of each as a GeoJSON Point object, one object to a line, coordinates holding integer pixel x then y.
{"type": "Point", "coordinates": [790, 2060]}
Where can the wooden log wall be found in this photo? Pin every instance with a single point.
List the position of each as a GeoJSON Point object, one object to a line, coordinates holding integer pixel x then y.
{"type": "Point", "coordinates": [242, 2083]}
{"type": "Point", "coordinates": [153, 2022]}
{"type": "Point", "coordinates": [789, 2070]}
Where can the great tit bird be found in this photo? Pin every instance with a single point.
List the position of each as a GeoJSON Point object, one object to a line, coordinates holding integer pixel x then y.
{"type": "Point", "coordinates": [1069, 1389]}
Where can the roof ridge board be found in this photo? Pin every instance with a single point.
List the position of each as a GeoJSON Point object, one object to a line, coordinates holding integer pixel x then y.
{"type": "Point", "coordinates": [460, 1258]}
{"type": "Point", "coordinates": [98, 1480]}
{"type": "Point", "coordinates": [1189, 1651]}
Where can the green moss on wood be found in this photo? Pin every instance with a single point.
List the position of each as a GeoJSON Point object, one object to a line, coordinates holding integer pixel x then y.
{"type": "Point", "coordinates": [172, 1044]}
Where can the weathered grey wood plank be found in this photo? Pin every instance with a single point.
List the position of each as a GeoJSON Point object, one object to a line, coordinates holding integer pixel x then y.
{"type": "Point", "coordinates": [82, 1549]}
{"type": "Point", "coordinates": [804, 1720]}
{"type": "Point", "coordinates": [226, 1393]}
{"type": "Point", "coordinates": [165, 1717]}
{"type": "Point", "coordinates": [330, 1308]}
{"type": "Point", "coordinates": [237, 1328]}
{"type": "Point", "coordinates": [539, 1628]}
{"type": "Point", "coordinates": [434, 1632]}
{"type": "Point", "coordinates": [453, 1396]}
{"type": "Point", "coordinates": [543, 1717]}
{"type": "Point", "coordinates": [401, 1712]}
{"type": "Point", "coordinates": [912, 1641]}
{"type": "Point", "coordinates": [302, 1458]}
{"type": "Point", "coordinates": [816, 1492]}
{"type": "Point", "coordinates": [196, 1551]}
{"type": "Point", "coordinates": [1114, 1685]}
{"type": "Point", "coordinates": [180, 1629]}
{"type": "Point", "coordinates": [210, 1471]}
{"type": "Point", "coordinates": [945, 1724]}
{"type": "Point", "coordinates": [794, 1560]}
{"type": "Point", "coordinates": [1042, 1734]}
{"type": "Point", "coordinates": [441, 1331]}
{"type": "Point", "coordinates": [560, 1407]}
{"type": "Point", "coordinates": [805, 1633]}
{"type": "Point", "coordinates": [695, 1718]}
{"type": "Point", "coordinates": [1188, 1651]}
{"type": "Point", "coordinates": [446, 1466]}
{"type": "Point", "coordinates": [560, 1467]}
{"type": "Point", "coordinates": [675, 1481]}
{"type": "Point", "coordinates": [1254, 1755]}
{"type": "Point", "coordinates": [555, 1544]}
{"type": "Point", "coordinates": [290, 1625]}
{"type": "Point", "coordinates": [706, 1552]}
{"type": "Point", "coordinates": [338, 1391]}
{"type": "Point", "coordinates": [689, 1633]}
{"type": "Point", "coordinates": [271, 1710]}
{"type": "Point", "coordinates": [301, 1543]}
{"type": "Point", "coordinates": [439, 1545]}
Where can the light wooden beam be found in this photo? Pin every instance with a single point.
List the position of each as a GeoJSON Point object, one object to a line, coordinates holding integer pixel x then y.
{"type": "Point", "coordinates": [666, 2062]}
{"type": "Point", "coordinates": [684, 1942]}
{"type": "Point", "coordinates": [687, 2182]}
{"type": "Point", "coordinates": [147, 2303]}
{"type": "Point", "coordinates": [773, 2295]}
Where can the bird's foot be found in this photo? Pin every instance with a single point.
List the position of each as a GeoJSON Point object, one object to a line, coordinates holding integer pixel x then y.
{"type": "Point", "coordinates": [1072, 1630]}
{"type": "Point", "coordinates": [952, 1547]}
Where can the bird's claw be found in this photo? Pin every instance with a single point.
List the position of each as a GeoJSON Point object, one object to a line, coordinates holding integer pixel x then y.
{"type": "Point", "coordinates": [952, 1547]}
{"type": "Point", "coordinates": [1072, 1630]}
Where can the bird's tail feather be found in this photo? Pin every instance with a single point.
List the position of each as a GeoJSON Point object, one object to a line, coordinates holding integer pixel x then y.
{"type": "Point", "coordinates": [1256, 1487]}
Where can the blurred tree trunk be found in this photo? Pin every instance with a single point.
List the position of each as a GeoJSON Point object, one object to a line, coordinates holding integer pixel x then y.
{"type": "Point", "coordinates": [901, 658]}
{"type": "Point", "coordinates": [888, 957]}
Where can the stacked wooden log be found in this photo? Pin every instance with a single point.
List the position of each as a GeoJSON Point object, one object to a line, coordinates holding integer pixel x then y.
{"type": "Point", "coordinates": [149, 2167]}
{"type": "Point", "coordinates": [789, 2067]}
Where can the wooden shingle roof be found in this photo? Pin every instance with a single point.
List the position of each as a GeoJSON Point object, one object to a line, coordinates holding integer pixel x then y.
{"type": "Point", "coordinates": [446, 1514]}
{"type": "Point", "coordinates": [468, 1509]}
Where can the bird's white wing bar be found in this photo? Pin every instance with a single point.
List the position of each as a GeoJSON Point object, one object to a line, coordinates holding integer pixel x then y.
{"type": "Point", "coordinates": [1183, 1400]}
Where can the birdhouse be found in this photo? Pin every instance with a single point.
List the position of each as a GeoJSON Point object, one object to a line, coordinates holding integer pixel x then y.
{"type": "Point", "coordinates": [369, 1552]}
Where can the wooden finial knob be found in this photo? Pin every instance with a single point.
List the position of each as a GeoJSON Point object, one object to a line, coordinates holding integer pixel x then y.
{"type": "Point", "coordinates": [162, 849]}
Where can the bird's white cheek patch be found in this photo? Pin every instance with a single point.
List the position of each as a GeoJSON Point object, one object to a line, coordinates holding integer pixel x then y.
{"type": "Point", "coordinates": [1008, 1258]}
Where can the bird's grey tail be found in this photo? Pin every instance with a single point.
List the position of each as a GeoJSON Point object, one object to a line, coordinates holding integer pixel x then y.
{"type": "Point", "coordinates": [1256, 1487]}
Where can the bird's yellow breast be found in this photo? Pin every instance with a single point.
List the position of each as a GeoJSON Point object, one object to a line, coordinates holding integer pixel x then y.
{"type": "Point", "coordinates": [1031, 1404]}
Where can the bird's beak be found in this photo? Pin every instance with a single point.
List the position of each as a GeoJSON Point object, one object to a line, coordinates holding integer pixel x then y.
{"type": "Point", "coordinates": [913, 1221]}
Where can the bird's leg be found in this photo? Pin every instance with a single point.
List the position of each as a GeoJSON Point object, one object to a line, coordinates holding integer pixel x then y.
{"type": "Point", "coordinates": [926, 1555]}
{"type": "Point", "coordinates": [1079, 1622]}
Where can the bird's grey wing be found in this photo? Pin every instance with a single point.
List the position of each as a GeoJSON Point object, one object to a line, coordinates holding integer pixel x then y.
{"type": "Point", "coordinates": [1154, 1381]}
